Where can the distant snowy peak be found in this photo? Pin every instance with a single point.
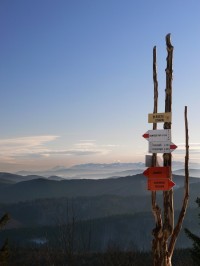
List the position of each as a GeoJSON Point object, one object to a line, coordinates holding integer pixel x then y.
{"type": "Point", "coordinates": [104, 170]}
{"type": "Point", "coordinates": [108, 165]}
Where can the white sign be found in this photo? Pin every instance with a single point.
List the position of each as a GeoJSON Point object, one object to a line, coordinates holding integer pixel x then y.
{"type": "Point", "coordinates": [161, 147]}
{"type": "Point", "coordinates": [159, 135]}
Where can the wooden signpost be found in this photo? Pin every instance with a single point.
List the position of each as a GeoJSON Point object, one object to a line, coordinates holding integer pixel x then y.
{"type": "Point", "coordinates": [160, 178]}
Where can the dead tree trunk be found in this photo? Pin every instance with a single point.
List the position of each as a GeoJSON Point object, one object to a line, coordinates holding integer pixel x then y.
{"type": "Point", "coordinates": [165, 235]}
{"type": "Point", "coordinates": [157, 231]}
{"type": "Point", "coordinates": [168, 221]}
{"type": "Point", "coordinates": [178, 226]}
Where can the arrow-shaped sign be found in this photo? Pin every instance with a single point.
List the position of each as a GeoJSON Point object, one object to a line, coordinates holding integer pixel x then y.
{"type": "Point", "coordinates": [161, 147]}
{"type": "Point", "coordinates": [162, 184]}
{"type": "Point", "coordinates": [157, 172]}
{"type": "Point", "coordinates": [158, 135]}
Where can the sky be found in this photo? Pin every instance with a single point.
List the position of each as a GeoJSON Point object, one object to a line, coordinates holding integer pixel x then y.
{"type": "Point", "coordinates": [76, 79]}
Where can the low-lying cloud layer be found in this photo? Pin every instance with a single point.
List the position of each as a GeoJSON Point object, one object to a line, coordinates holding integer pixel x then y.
{"type": "Point", "coordinates": [194, 151]}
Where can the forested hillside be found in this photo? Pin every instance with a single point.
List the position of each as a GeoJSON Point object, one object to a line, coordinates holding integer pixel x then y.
{"type": "Point", "coordinates": [115, 211]}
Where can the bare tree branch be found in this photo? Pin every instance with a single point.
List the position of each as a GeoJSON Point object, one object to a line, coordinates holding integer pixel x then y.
{"type": "Point", "coordinates": [186, 194]}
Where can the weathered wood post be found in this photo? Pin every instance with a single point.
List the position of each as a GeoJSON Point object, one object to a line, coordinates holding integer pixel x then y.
{"type": "Point", "coordinates": [178, 226]}
{"type": "Point", "coordinates": [155, 208]}
{"type": "Point", "coordinates": [168, 222]}
{"type": "Point", "coordinates": [164, 233]}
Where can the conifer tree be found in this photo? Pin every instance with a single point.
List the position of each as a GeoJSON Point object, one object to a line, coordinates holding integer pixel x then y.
{"type": "Point", "coordinates": [4, 249]}
{"type": "Point", "coordinates": [195, 251]}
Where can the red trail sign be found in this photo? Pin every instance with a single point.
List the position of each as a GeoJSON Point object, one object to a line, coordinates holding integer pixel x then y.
{"type": "Point", "coordinates": [162, 184]}
{"type": "Point", "coordinates": [157, 172]}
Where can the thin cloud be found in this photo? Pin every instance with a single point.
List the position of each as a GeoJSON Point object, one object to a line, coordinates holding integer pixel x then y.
{"type": "Point", "coordinates": [193, 148]}
{"type": "Point", "coordinates": [110, 145]}
{"type": "Point", "coordinates": [32, 146]}
{"type": "Point", "coordinates": [35, 147]}
{"type": "Point", "coordinates": [87, 152]}
{"type": "Point", "coordinates": [26, 141]}
{"type": "Point", "coordinates": [86, 140]}
{"type": "Point", "coordinates": [76, 152]}
{"type": "Point", "coordinates": [87, 147]}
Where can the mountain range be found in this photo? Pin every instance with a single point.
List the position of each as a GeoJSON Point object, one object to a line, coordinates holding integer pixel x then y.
{"type": "Point", "coordinates": [93, 171]}
{"type": "Point", "coordinates": [37, 187]}
{"type": "Point", "coordinates": [99, 171]}
{"type": "Point", "coordinates": [113, 205]}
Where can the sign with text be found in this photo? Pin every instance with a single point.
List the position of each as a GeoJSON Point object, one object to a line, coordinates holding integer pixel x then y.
{"type": "Point", "coordinates": [160, 184]}
{"type": "Point", "coordinates": [157, 172]}
{"type": "Point", "coordinates": [159, 117]}
{"type": "Point", "coordinates": [158, 135]}
{"type": "Point", "coordinates": [161, 147]}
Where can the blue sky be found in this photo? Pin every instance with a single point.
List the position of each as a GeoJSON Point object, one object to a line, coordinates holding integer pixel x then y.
{"type": "Point", "coordinates": [76, 79]}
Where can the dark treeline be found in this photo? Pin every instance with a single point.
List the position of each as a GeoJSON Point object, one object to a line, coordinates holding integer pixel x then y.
{"type": "Point", "coordinates": [112, 257]}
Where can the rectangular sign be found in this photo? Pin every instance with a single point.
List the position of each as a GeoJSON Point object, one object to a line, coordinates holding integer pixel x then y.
{"type": "Point", "coordinates": [157, 172]}
{"type": "Point", "coordinates": [159, 117]}
{"type": "Point", "coordinates": [159, 135]}
{"type": "Point", "coordinates": [160, 184]}
{"type": "Point", "coordinates": [161, 147]}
